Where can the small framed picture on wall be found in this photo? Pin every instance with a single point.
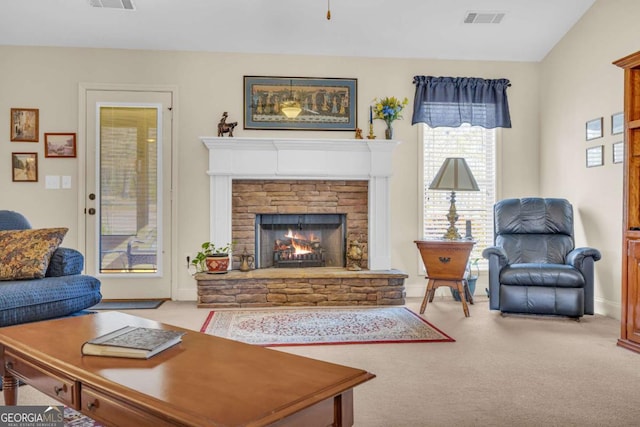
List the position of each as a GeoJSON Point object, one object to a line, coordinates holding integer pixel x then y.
{"type": "Point", "coordinates": [595, 156]}
{"type": "Point", "coordinates": [24, 125]}
{"type": "Point", "coordinates": [618, 152]}
{"type": "Point", "coordinates": [59, 144]}
{"type": "Point", "coordinates": [594, 129]}
{"type": "Point", "coordinates": [24, 167]}
{"type": "Point", "coordinates": [617, 123]}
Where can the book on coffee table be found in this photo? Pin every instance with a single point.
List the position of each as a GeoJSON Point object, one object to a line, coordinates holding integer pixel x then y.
{"type": "Point", "coordinates": [132, 341]}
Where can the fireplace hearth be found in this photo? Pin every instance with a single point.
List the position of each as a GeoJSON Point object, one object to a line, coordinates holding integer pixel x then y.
{"type": "Point", "coordinates": [300, 240]}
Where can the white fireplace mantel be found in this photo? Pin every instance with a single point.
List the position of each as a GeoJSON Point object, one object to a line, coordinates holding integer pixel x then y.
{"type": "Point", "coordinates": [302, 158]}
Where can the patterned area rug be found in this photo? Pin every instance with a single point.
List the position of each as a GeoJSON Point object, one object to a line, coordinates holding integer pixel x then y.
{"type": "Point", "coordinates": [73, 418]}
{"type": "Point", "coordinates": [313, 326]}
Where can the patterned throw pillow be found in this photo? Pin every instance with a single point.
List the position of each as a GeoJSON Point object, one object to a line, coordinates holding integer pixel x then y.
{"type": "Point", "coordinates": [25, 254]}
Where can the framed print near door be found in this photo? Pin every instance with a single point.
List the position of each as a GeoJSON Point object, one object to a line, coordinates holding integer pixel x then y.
{"type": "Point", "coordinates": [324, 103]}
{"type": "Point", "coordinates": [24, 125]}
{"type": "Point", "coordinates": [24, 167]}
{"type": "Point", "coordinates": [59, 144]}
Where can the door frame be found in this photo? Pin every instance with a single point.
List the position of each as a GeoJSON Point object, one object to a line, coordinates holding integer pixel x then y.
{"type": "Point", "coordinates": [83, 88]}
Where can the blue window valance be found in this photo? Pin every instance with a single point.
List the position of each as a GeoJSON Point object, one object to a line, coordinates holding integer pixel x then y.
{"type": "Point", "coordinates": [452, 101]}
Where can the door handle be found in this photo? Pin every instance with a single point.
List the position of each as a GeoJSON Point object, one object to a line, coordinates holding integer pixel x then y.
{"type": "Point", "coordinates": [91, 211]}
{"type": "Point", "coordinates": [92, 196]}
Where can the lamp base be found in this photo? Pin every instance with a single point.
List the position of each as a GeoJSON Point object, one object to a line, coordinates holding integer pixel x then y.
{"type": "Point", "coordinates": [452, 234]}
{"type": "Point", "coordinates": [452, 216]}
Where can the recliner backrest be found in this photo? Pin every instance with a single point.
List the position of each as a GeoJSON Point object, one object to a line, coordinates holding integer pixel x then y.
{"type": "Point", "coordinates": [534, 230]}
{"type": "Point", "coordinates": [10, 220]}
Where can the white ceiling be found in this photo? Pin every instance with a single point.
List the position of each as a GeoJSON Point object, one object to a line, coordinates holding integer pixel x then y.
{"type": "Point", "coordinates": [368, 28]}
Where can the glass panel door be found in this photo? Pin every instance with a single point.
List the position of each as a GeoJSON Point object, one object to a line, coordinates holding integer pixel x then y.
{"type": "Point", "coordinates": [129, 183]}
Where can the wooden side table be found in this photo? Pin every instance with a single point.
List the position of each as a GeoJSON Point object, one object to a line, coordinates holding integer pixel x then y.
{"type": "Point", "coordinates": [446, 263]}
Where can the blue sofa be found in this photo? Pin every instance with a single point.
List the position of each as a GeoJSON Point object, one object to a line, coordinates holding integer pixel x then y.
{"type": "Point", "coordinates": [61, 292]}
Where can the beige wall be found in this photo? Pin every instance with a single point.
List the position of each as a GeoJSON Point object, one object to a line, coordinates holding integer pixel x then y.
{"type": "Point", "coordinates": [579, 83]}
{"type": "Point", "coordinates": [208, 84]}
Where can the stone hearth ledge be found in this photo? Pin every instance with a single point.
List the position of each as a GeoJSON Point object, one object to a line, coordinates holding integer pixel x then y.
{"type": "Point", "coordinates": [314, 286]}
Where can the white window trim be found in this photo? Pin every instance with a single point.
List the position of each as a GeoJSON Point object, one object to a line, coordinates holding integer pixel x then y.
{"type": "Point", "coordinates": [421, 182]}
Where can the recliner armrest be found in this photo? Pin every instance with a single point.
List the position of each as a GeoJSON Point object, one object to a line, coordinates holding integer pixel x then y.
{"type": "Point", "coordinates": [497, 251]}
{"type": "Point", "coordinates": [577, 256]}
{"type": "Point", "coordinates": [65, 262]}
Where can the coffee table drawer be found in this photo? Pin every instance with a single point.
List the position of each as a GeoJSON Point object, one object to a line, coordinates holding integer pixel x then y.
{"type": "Point", "coordinates": [107, 409]}
{"type": "Point", "coordinates": [50, 382]}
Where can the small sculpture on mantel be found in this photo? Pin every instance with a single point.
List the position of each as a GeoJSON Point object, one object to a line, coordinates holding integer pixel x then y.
{"type": "Point", "coordinates": [354, 255]}
{"type": "Point", "coordinates": [224, 127]}
{"type": "Point", "coordinates": [359, 133]}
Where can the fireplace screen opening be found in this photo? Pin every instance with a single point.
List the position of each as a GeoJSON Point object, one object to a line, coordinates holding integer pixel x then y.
{"type": "Point", "coordinates": [300, 240]}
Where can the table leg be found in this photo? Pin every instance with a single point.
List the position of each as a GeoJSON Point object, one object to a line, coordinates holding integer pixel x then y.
{"type": "Point", "coordinates": [428, 295]}
{"type": "Point", "coordinates": [463, 298]}
{"type": "Point", "coordinates": [467, 292]}
{"type": "Point", "coordinates": [10, 389]}
{"type": "Point", "coordinates": [433, 291]}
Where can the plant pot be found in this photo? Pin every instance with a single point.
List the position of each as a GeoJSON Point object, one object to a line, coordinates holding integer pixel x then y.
{"type": "Point", "coordinates": [472, 287]}
{"type": "Point", "coordinates": [217, 263]}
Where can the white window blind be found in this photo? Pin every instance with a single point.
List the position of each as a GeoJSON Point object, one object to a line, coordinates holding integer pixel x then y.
{"type": "Point", "coordinates": [478, 146]}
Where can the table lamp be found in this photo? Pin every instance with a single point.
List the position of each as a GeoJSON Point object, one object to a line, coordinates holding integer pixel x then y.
{"type": "Point", "coordinates": [454, 175]}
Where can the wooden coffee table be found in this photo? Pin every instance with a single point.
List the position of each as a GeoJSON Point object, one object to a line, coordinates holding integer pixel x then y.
{"type": "Point", "coordinates": [204, 380]}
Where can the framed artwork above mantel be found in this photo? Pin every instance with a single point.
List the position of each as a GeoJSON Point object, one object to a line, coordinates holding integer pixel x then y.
{"type": "Point", "coordinates": [326, 103]}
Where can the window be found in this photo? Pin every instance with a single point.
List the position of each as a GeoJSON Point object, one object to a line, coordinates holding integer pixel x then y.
{"type": "Point", "coordinates": [478, 146]}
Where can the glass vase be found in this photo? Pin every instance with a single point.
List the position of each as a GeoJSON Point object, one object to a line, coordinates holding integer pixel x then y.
{"type": "Point", "coordinates": [388, 132]}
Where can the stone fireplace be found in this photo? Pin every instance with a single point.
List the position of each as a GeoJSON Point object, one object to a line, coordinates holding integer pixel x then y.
{"type": "Point", "coordinates": [336, 189]}
{"type": "Point", "coordinates": [333, 209]}
{"type": "Point", "coordinates": [300, 240]}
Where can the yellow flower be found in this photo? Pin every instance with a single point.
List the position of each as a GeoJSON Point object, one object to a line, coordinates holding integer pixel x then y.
{"type": "Point", "coordinates": [388, 109]}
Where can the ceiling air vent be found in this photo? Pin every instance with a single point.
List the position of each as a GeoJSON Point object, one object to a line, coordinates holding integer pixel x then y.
{"type": "Point", "coordinates": [483, 17]}
{"type": "Point", "coordinates": [113, 4]}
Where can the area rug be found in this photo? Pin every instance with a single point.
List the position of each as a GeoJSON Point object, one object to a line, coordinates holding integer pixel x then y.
{"type": "Point", "coordinates": [314, 326]}
{"type": "Point", "coordinates": [128, 305]}
{"type": "Point", "coordinates": [73, 418]}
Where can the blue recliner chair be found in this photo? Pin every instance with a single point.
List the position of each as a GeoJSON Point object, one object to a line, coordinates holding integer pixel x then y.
{"type": "Point", "coordinates": [534, 267]}
{"type": "Point", "coordinates": [63, 291]}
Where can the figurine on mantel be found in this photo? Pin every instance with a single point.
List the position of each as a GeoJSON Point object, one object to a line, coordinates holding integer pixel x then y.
{"type": "Point", "coordinates": [359, 133]}
{"type": "Point", "coordinates": [224, 127]}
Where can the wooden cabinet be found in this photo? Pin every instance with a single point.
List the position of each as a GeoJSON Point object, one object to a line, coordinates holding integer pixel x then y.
{"type": "Point", "coordinates": [630, 318]}
{"type": "Point", "coordinates": [446, 263]}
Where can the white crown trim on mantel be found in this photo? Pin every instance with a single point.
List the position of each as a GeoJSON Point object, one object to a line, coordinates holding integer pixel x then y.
{"type": "Point", "coordinates": [303, 159]}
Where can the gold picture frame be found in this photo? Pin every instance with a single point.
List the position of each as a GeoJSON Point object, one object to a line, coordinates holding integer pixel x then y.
{"type": "Point", "coordinates": [24, 125]}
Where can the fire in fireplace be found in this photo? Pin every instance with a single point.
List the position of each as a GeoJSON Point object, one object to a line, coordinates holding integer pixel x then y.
{"type": "Point", "coordinates": [300, 240]}
{"type": "Point", "coordinates": [298, 250]}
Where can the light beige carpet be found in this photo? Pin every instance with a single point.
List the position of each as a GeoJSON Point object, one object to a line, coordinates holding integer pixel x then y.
{"type": "Point", "coordinates": [501, 371]}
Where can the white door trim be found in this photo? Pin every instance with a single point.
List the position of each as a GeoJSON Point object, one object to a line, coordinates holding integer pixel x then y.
{"type": "Point", "coordinates": [83, 88]}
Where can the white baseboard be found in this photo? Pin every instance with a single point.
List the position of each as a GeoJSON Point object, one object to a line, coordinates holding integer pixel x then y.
{"type": "Point", "coordinates": [186, 294]}
{"type": "Point", "coordinates": [608, 308]}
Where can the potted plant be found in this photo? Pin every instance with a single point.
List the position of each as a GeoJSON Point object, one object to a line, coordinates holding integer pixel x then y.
{"type": "Point", "coordinates": [473, 271]}
{"type": "Point", "coordinates": [212, 259]}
